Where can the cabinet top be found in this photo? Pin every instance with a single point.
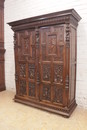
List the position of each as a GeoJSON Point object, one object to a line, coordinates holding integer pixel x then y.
{"type": "Point", "coordinates": [52, 18]}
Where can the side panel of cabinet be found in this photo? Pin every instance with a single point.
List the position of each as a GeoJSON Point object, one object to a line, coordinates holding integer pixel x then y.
{"type": "Point", "coordinates": [73, 48]}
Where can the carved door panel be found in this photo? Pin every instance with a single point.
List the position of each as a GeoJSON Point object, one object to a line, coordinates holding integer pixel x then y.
{"type": "Point", "coordinates": [26, 65]}
{"type": "Point", "coordinates": [52, 64]}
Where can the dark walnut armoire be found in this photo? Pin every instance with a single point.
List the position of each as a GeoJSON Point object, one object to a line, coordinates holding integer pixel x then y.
{"type": "Point", "coordinates": [45, 61]}
{"type": "Point", "coordinates": [2, 50]}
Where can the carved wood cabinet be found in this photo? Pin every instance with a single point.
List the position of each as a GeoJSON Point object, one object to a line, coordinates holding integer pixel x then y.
{"type": "Point", "coordinates": [45, 61]}
{"type": "Point", "coordinates": [2, 50]}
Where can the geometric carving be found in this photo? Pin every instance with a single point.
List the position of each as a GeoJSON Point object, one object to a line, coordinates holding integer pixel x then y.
{"type": "Point", "coordinates": [46, 72]}
{"type": "Point", "coordinates": [52, 44]}
{"type": "Point", "coordinates": [32, 71]}
{"type": "Point", "coordinates": [58, 94]}
{"type": "Point", "coordinates": [32, 89]}
{"type": "Point", "coordinates": [46, 92]}
{"type": "Point", "coordinates": [22, 71]}
{"type": "Point", "coordinates": [26, 43]}
{"type": "Point", "coordinates": [23, 87]}
{"type": "Point", "coordinates": [58, 73]}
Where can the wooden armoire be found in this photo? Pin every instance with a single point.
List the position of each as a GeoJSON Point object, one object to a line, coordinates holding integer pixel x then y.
{"type": "Point", "coordinates": [2, 50]}
{"type": "Point", "coordinates": [45, 61]}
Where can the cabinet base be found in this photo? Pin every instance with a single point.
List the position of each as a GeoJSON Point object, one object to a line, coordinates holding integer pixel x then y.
{"type": "Point", "coordinates": [64, 111]}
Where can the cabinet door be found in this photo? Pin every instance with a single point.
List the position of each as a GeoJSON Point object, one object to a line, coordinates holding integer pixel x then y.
{"type": "Point", "coordinates": [52, 64]}
{"type": "Point", "coordinates": [26, 64]}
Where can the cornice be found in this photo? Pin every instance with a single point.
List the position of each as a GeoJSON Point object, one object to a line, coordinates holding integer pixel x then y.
{"type": "Point", "coordinates": [44, 20]}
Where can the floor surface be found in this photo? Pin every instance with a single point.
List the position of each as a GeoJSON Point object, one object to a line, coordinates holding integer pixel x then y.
{"type": "Point", "coordinates": [16, 116]}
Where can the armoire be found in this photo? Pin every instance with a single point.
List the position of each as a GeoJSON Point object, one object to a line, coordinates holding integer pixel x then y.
{"type": "Point", "coordinates": [2, 50]}
{"type": "Point", "coordinates": [45, 61]}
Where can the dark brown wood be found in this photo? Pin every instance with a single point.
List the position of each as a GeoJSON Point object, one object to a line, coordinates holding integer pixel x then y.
{"type": "Point", "coordinates": [2, 50]}
{"type": "Point", "coordinates": [45, 61]}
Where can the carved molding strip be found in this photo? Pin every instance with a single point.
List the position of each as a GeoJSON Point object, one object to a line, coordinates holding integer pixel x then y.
{"type": "Point", "coordinates": [43, 22]}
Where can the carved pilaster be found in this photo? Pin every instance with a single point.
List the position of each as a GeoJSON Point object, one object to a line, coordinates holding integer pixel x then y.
{"type": "Point", "coordinates": [67, 54]}
{"type": "Point", "coordinates": [67, 35]}
{"type": "Point", "coordinates": [67, 62]}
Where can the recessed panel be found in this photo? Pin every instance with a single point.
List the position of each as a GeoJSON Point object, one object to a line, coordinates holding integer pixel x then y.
{"type": "Point", "coordinates": [46, 72]}
{"type": "Point", "coordinates": [31, 71]}
{"type": "Point", "coordinates": [58, 73]}
{"type": "Point", "coordinates": [32, 89]}
{"type": "Point", "coordinates": [52, 44]}
{"type": "Point", "coordinates": [22, 70]}
{"type": "Point", "coordinates": [23, 87]}
{"type": "Point", "coordinates": [46, 92]}
{"type": "Point", "coordinates": [57, 94]}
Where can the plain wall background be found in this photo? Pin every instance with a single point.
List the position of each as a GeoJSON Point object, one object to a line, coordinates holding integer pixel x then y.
{"type": "Point", "coordinates": [20, 9]}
